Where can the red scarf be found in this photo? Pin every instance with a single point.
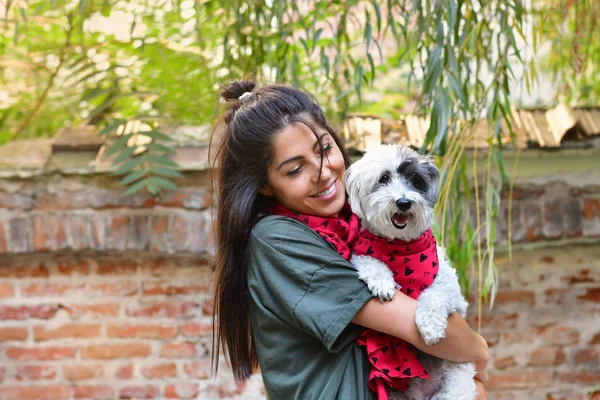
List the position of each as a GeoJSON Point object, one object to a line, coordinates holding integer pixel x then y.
{"type": "Point", "coordinates": [341, 232]}
{"type": "Point", "coordinates": [414, 265]}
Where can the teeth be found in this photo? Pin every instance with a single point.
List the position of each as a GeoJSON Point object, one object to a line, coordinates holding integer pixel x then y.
{"type": "Point", "coordinates": [326, 192]}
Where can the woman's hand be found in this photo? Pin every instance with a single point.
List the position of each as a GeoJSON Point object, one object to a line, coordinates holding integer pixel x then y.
{"type": "Point", "coordinates": [397, 318]}
{"type": "Point", "coordinates": [480, 390]}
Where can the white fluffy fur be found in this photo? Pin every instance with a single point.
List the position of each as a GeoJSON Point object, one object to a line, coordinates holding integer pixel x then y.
{"type": "Point", "coordinates": [375, 204]}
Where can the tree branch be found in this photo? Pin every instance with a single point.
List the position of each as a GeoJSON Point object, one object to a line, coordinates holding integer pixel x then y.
{"type": "Point", "coordinates": [40, 102]}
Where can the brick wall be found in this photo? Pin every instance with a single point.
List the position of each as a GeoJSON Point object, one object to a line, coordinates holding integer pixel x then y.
{"type": "Point", "coordinates": [107, 297]}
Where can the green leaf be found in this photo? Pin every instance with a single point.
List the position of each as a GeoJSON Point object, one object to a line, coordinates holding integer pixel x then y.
{"type": "Point", "coordinates": [124, 155]}
{"type": "Point", "coordinates": [24, 14]}
{"type": "Point", "coordinates": [316, 37]}
{"type": "Point", "coordinates": [159, 148]}
{"type": "Point", "coordinates": [458, 90]}
{"type": "Point", "coordinates": [128, 166]}
{"type": "Point", "coordinates": [163, 183]}
{"type": "Point", "coordinates": [139, 185]}
{"type": "Point", "coordinates": [132, 177]}
{"type": "Point", "coordinates": [372, 63]}
{"type": "Point", "coordinates": [377, 14]}
{"type": "Point", "coordinates": [161, 160]}
{"type": "Point", "coordinates": [113, 126]}
{"type": "Point", "coordinates": [118, 144]}
{"type": "Point", "coordinates": [156, 135]}
{"type": "Point", "coordinates": [368, 34]}
{"type": "Point", "coordinates": [165, 171]}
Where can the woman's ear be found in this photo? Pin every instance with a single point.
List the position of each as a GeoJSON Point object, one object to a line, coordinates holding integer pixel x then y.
{"type": "Point", "coordinates": [266, 190]}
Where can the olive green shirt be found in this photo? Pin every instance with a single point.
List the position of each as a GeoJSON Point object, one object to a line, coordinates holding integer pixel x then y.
{"type": "Point", "coordinates": [303, 297]}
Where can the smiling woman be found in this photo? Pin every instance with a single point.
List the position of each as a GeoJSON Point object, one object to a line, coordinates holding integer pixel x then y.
{"type": "Point", "coordinates": [286, 296]}
{"type": "Point", "coordinates": [307, 171]}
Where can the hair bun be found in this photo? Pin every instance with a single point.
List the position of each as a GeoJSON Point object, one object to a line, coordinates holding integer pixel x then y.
{"type": "Point", "coordinates": [235, 89]}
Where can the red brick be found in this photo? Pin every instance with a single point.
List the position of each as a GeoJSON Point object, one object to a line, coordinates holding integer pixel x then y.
{"type": "Point", "coordinates": [178, 350]}
{"type": "Point", "coordinates": [39, 233]}
{"type": "Point", "coordinates": [141, 331]}
{"type": "Point", "coordinates": [151, 288]}
{"type": "Point", "coordinates": [124, 372]}
{"type": "Point", "coordinates": [181, 390]}
{"type": "Point", "coordinates": [120, 288]}
{"type": "Point", "coordinates": [40, 332]}
{"type": "Point", "coordinates": [581, 276]}
{"type": "Point", "coordinates": [3, 247]}
{"type": "Point", "coordinates": [518, 380]}
{"type": "Point", "coordinates": [179, 233]}
{"type": "Point", "coordinates": [6, 290]}
{"type": "Point", "coordinates": [95, 310]}
{"type": "Point", "coordinates": [56, 223]}
{"type": "Point", "coordinates": [139, 392]}
{"type": "Point", "coordinates": [525, 297]}
{"type": "Point", "coordinates": [547, 356]}
{"type": "Point", "coordinates": [160, 224]}
{"type": "Point", "coordinates": [119, 231]}
{"type": "Point", "coordinates": [93, 392]}
{"type": "Point", "coordinates": [591, 208]}
{"type": "Point", "coordinates": [50, 289]}
{"type": "Point", "coordinates": [586, 356]}
{"type": "Point", "coordinates": [73, 267]}
{"type": "Point", "coordinates": [80, 372]}
{"type": "Point", "coordinates": [581, 378]}
{"type": "Point", "coordinates": [500, 320]}
{"type": "Point", "coordinates": [34, 392]}
{"type": "Point", "coordinates": [505, 362]}
{"type": "Point", "coordinates": [208, 307]}
{"type": "Point", "coordinates": [171, 309]}
{"type": "Point", "coordinates": [111, 351]}
{"type": "Point", "coordinates": [25, 271]}
{"type": "Point", "coordinates": [116, 267]}
{"type": "Point", "coordinates": [194, 329]}
{"type": "Point", "coordinates": [2, 373]}
{"type": "Point", "coordinates": [200, 369]}
{"type": "Point", "coordinates": [560, 335]}
{"type": "Point", "coordinates": [160, 371]}
{"type": "Point", "coordinates": [13, 333]}
{"type": "Point", "coordinates": [35, 372]}
{"type": "Point", "coordinates": [595, 339]}
{"type": "Point", "coordinates": [44, 311]}
{"type": "Point", "coordinates": [39, 353]}
{"type": "Point", "coordinates": [592, 294]}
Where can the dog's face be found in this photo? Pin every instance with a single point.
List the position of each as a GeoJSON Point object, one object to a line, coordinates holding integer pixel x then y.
{"type": "Point", "coordinates": [393, 189]}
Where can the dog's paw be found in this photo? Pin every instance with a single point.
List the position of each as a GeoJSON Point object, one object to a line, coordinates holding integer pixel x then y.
{"type": "Point", "coordinates": [382, 288]}
{"type": "Point", "coordinates": [431, 323]}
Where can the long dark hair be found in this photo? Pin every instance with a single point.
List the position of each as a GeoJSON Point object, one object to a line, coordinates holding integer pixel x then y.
{"type": "Point", "coordinates": [252, 119]}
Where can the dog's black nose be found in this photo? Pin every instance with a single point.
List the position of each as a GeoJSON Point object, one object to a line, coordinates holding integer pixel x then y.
{"type": "Point", "coordinates": [403, 204]}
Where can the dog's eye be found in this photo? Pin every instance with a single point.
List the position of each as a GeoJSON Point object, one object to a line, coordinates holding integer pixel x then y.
{"type": "Point", "coordinates": [419, 183]}
{"type": "Point", "coordinates": [385, 178]}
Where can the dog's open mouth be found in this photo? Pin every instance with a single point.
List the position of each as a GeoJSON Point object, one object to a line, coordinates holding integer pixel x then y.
{"type": "Point", "coordinates": [399, 220]}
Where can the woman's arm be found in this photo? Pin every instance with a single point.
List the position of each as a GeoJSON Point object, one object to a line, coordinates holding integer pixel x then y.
{"type": "Point", "coordinates": [397, 318]}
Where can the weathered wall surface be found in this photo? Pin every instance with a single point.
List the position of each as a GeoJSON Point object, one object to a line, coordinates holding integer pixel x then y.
{"type": "Point", "coordinates": [106, 297]}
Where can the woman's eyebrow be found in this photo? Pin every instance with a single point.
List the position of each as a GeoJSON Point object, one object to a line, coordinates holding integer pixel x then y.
{"type": "Point", "coordinates": [289, 160]}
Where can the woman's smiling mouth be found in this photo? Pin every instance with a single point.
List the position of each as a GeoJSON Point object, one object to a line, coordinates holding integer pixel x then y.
{"type": "Point", "coordinates": [327, 193]}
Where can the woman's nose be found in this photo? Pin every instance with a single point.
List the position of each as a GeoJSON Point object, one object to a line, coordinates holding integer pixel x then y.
{"type": "Point", "coordinates": [325, 172]}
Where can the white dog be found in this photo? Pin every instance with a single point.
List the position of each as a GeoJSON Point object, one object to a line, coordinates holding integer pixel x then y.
{"type": "Point", "coordinates": [393, 190]}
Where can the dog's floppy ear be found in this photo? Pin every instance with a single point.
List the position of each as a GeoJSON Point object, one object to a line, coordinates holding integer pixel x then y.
{"type": "Point", "coordinates": [434, 176]}
{"type": "Point", "coordinates": [353, 188]}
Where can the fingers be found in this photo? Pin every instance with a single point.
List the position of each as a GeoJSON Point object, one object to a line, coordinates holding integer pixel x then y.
{"type": "Point", "coordinates": [480, 390]}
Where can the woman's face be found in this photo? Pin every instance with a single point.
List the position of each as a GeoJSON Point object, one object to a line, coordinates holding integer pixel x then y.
{"type": "Point", "coordinates": [294, 172]}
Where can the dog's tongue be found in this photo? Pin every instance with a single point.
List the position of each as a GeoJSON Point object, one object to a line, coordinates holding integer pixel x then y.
{"type": "Point", "coordinates": [400, 219]}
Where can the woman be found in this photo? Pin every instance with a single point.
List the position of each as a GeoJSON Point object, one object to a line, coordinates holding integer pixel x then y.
{"type": "Point", "coordinates": [285, 299]}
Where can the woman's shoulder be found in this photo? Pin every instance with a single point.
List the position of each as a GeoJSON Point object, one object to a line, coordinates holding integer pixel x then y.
{"type": "Point", "coordinates": [284, 234]}
{"type": "Point", "coordinates": [277, 226]}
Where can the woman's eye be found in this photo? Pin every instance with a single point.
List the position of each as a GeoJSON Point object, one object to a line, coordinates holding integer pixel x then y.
{"type": "Point", "coordinates": [327, 147]}
{"type": "Point", "coordinates": [419, 183]}
{"type": "Point", "coordinates": [294, 171]}
{"type": "Point", "coordinates": [383, 179]}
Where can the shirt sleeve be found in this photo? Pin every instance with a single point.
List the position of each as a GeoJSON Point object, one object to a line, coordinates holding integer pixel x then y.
{"type": "Point", "coordinates": [299, 277]}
